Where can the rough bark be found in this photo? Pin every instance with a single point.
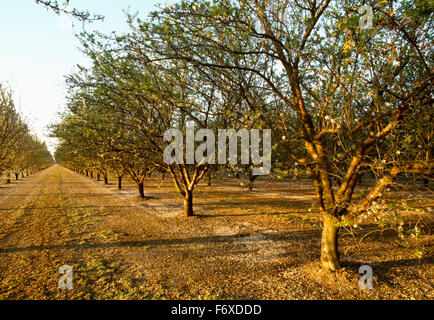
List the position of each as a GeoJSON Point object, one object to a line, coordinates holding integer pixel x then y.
{"type": "Point", "coordinates": [329, 243]}
{"type": "Point", "coordinates": [188, 204]}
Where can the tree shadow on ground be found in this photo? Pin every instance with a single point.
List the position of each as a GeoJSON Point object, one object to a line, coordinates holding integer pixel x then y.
{"type": "Point", "coordinates": [244, 238]}
{"type": "Point", "coordinates": [69, 207]}
{"type": "Point", "coordinates": [383, 270]}
{"type": "Point", "coordinates": [386, 266]}
{"type": "Point", "coordinates": [71, 195]}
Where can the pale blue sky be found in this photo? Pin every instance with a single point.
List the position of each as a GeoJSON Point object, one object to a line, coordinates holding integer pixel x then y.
{"type": "Point", "coordinates": [38, 48]}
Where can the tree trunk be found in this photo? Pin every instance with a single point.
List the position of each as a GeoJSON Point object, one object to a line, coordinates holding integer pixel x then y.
{"type": "Point", "coordinates": [188, 204]}
{"type": "Point", "coordinates": [209, 178]}
{"type": "Point", "coordinates": [22, 174]}
{"type": "Point", "coordinates": [119, 182]}
{"type": "Point", "coordinates": [9, 178]}
{"type": "Point", "coordinates": [17, 176]}
{"type": "Point", "coordinates": [105, 179]}
{"type": "Point", "coordinates": [329, 244]}
{"type": "Point", "coordinates": [91, 174]}
{"type": "Point", "coordinates": [98, 177]}
{"type": "Point", "coordinates": [251, 179]}
{"type": "Point", "coordinates": [87, 173]}
{"type": "Point", "coordinates": [141, 190]}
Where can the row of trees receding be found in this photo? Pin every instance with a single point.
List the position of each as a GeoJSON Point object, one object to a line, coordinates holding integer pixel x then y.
{"type": "Point", "coordinates": [20, 152]}
{"type": "Point", "coordinates": [340, 101]}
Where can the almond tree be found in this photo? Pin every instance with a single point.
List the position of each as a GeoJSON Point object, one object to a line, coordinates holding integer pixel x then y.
{"type": "Point", "coordinates": [341, 90]}
{"type": "Point", "coordinates": [63, 8]}
{"type": "Point", "coordinates": [129, 105]}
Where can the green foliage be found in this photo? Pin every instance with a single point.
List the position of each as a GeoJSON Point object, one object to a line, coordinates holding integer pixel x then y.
{"type": "Point", "coordinates": [340, 101]}
{"type": "Point", "coordinates": [19, 149]}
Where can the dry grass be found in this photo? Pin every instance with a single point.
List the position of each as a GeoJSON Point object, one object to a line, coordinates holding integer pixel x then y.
{"type": "Point", "coordinates": [241, 245]}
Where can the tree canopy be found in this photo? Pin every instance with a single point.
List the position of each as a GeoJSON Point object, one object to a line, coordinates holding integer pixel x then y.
{"type": "Point", "coordinates": [341, 101]}
{"type": "Point", "coordinates": [19, 149]}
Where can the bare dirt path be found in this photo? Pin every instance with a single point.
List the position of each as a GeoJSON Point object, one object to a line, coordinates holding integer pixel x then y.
{"type": "Point", "coordinates": [123, 248]}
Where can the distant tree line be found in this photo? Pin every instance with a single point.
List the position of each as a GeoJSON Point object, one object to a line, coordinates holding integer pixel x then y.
{"type": "Point", "coordinates": [21, 153]}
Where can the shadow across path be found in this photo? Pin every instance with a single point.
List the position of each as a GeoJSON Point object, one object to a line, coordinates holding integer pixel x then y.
{"type": "Point", "coordinates": [275, 236]}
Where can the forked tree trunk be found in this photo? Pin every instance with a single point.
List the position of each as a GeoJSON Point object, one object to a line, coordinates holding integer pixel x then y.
{"type": "Point", "coordinates": [17, 176]}
{"type": "Point", "coordinates": [329, 244]}
{"type": "Point", "coordinates": [188, 204]}
{"type": "Point", "coordinates": [119, 182]}
{"type": "Point", "coordinates": [141, 190]}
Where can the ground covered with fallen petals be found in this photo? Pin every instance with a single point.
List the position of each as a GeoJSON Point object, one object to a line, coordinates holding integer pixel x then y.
{"type": "Point", "coordinates": [262, 244]}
